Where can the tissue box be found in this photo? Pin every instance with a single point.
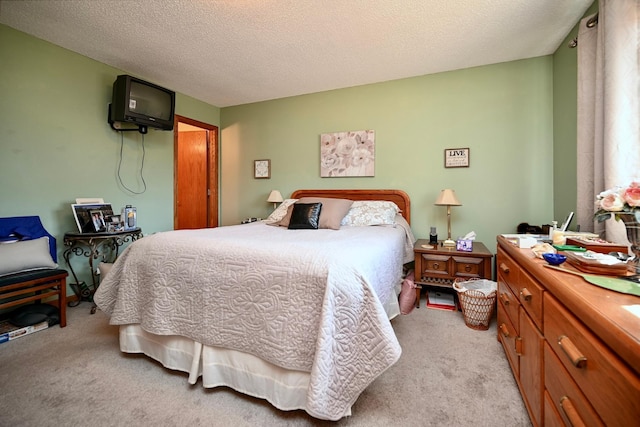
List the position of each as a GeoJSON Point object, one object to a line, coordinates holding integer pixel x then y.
{"type": "Point", "coordinates": [523, 241]}
{"type": "Point", "coordinates": [464, 245]}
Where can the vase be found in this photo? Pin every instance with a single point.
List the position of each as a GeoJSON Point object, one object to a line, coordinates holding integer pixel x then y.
{"type": "Point", "coordinates": [633, 234]}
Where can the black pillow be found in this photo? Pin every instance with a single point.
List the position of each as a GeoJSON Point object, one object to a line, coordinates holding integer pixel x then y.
{"type": "Point", "coordinates": [305, 216]}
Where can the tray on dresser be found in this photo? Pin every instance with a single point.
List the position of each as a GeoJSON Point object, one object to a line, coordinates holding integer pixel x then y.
{"type": "Point", "coordinates": [596, 245]}
{"type": "Point", "coordinates": [595, 266]}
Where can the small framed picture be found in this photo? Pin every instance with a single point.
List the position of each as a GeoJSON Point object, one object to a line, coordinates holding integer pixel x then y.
{"type": "Point", "coordinates": [456, 158]}
{"type": "Point", "coordinates": [262, 169]}
{"type": "Point", "coordinates": [92, 217]}
{"type": "Point", "coordinates": [97, 219]}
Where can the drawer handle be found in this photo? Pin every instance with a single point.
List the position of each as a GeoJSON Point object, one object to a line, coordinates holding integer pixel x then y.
{"type": "Point", "coordinates": [436, 265]}
{"type": "Point", "coordinates": [571, 412]}
{"type": "Point", "coordinates": [518, 346]}
{"type": "Point", "coordinates": [504, 268]}
{"type": "Point", "coordinates": [467, 268]}
{"type": "Point", "coordinates": [504, 298]}
{"type": "Point", "coordinates": [504, 330]}
{"type": "Point", "coordinates": [572, 352]}
{"type": "Point", "coordinates": [525, 294]}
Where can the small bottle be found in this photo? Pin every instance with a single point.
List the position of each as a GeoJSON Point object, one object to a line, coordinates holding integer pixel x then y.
{"type": "Point", "coordinates": [552, 229]}
{"type": "Point", "coordinates": [433, 236]}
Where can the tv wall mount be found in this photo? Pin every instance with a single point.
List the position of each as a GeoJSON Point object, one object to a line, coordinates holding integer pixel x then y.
{"type": "Point", "coordinates": [143, 129]}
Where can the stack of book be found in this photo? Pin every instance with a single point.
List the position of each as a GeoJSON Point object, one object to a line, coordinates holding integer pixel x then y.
{"type": "Point", "coordinates": [440, 300]}
{"type": "Point", "coordinates": [9, 331]}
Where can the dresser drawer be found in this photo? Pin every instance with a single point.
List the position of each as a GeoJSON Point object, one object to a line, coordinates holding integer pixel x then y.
{"type": "Point", "coordinates": [509, 301]}
{"type": "Point", "coordinates": [610, 386]}
{"type": "Point", "coordinates": [507, 269]}
{"type": "Point", "coordinates": [507, 335]}
{"type": "Point", "coordinates": [551, 416]}
{"type": "Point", "coordinates": [567, 399]}
{"type": "Point", "coordinates": [529, 292]}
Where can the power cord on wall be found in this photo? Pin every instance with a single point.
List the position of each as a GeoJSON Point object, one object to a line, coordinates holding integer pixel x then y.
{"type": "Point", "coordinates": [144, 184]}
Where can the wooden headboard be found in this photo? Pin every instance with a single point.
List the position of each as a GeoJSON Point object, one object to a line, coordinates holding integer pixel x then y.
{"type": "Point", "coordinates": [398, 197]}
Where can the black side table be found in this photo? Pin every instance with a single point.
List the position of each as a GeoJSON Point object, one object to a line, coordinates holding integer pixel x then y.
{"type": "Point", "coordinates": [94, 246]}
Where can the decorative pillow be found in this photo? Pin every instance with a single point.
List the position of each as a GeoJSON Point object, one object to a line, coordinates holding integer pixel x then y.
{"type": "Point", "coordinates": [25, 255]}
{"type": "Point", "coordinates": [305, 216]}
{"type": "Point", "coordinates": [371, 212]}
{"type": "Point", "coordinates": [280, 212]}
{"type": "Point", "coordinates": [333, 210]}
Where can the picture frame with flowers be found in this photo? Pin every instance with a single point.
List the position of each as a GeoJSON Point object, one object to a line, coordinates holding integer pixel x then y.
{"type": "Point", "coordinates": [347, 154]}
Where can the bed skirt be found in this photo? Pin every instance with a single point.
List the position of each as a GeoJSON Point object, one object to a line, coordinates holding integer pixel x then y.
{"type": "Point", "coordinates": [283, 388]}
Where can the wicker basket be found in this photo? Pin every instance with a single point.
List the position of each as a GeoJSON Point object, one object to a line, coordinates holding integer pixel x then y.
{"type": "Point", "coordinates": [477, 308]}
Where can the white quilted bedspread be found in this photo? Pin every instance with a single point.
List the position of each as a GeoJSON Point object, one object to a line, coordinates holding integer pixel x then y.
{"type": "Point", "coordinates": [304, 300]}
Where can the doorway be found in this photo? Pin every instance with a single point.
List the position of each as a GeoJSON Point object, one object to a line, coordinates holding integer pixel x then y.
{"type": "Point", "coordinates": [195, 174]}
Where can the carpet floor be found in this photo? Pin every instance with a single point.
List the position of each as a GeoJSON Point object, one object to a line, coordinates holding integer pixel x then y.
{"type": "Point", "coordinates": [448, 375]}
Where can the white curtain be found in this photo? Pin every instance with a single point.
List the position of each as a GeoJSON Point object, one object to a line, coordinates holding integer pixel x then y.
{"type": "Point", "coordinates": [608, 109]}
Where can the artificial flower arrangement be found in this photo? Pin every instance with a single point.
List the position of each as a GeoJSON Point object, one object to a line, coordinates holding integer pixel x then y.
{"type": "Point", "coordinates": [618, 200]}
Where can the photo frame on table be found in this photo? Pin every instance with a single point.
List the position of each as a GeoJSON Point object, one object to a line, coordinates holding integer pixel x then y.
{"type": "Point", "coordinates": [85, 213]}
{"type": "Point", "coordinates": [97, 220]}
{"type": "Point", "coordinates": [456, 158]}
{"type": "Point", "coordinates": [262, 169]}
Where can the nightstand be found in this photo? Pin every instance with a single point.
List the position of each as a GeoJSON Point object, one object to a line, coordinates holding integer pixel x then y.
{"type": "Point", "coordinates": [436, 265]}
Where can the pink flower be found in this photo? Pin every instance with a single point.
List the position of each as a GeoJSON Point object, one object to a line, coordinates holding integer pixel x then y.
{"type": "Point", "coordinates": [611, 202]}
{"type": "Point", "coordinates": [632, 194]}
{"type": "Point", "coordinates": [618, 200]}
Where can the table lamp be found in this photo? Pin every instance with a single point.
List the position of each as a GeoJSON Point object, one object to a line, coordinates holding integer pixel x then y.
{"type": "Point", "coordinates": [275, 197]}
{"type": "Point", "coordinates": [448, 198]}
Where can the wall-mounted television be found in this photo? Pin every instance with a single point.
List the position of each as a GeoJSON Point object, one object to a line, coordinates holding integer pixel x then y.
{"type": "Point", "coordinates": [141, 103]}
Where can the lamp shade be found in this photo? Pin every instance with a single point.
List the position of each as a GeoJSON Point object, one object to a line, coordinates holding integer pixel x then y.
{"type": "Point", "coordinates": [447, 197]}
{"type": "Point", "coordinates": [274, 197]}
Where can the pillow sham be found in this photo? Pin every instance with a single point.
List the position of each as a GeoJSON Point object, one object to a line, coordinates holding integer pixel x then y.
{"type": "Point", "coordinates": [25, 255]}
{"type": "Point", "coordinates": [371, 212]}
{"type": "Point", "coordinates": [305, 216]}
{"type": "Point", "coordinates": [280, 211]}
{"type": "Point", "coordinates": [333, 210]}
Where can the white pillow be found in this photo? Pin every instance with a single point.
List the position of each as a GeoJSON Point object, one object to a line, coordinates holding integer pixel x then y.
{"type": "Point", "coordinates": [371, 212]}
{"type": "Point", "coordinates": [25, 255]}
{"type": "Point", "coordinates": [280, 211]}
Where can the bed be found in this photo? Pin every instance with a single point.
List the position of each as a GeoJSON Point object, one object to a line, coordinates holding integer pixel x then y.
{"type": "Point", "coordinates": [298, 317]}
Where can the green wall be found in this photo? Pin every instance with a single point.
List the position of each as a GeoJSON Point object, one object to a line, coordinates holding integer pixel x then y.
{"type": "Point", "coordinates": [56, 144]}
{"type": "Point", "coordinates": [517, 118]}
{"type": "Point", "coordinates": [502, 113]}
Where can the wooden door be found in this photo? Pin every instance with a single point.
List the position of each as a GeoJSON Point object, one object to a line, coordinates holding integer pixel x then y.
{"type": "Point", "coordinates": [195, 175]}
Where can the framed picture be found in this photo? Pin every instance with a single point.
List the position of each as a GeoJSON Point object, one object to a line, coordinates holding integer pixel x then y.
{"type": "Point", "coordinates": [345, 154]}
{"type": "Point", "coordinates": [456, 158]}
{"type": "Point", "coordinates": [262, 169]}
{"type": "Point", "coordinates": [97, 220]}
{"type": "Point", "coordinates": [114, 223]}
{"type": "Point", "coordinates": [92, 217]}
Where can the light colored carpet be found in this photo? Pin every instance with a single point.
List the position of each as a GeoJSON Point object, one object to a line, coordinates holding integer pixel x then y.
{"type": "Point", "coordinates": [448, 375]}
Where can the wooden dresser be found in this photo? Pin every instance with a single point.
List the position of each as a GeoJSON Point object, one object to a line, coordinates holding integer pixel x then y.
{"type": "Point", "coordinates": [574, 348]}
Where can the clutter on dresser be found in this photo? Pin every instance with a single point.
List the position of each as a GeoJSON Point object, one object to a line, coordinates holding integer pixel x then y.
{"type": "Point", "coordinates": [597, 263]}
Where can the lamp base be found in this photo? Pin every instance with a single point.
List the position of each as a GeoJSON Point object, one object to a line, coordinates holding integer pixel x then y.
{"type": "Point", "coordinates": [448, 243]}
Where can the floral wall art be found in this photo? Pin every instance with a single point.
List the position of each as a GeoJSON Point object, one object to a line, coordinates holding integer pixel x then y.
{"type": "Point", "coordinates": [347, 154]}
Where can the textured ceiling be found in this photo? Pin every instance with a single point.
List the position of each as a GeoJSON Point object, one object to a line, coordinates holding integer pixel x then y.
{"type": "Point", "coordinates": [231, 52]}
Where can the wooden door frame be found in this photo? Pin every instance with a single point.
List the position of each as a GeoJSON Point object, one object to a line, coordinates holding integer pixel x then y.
{"type": "Point", "coordinates": [212, 170]}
